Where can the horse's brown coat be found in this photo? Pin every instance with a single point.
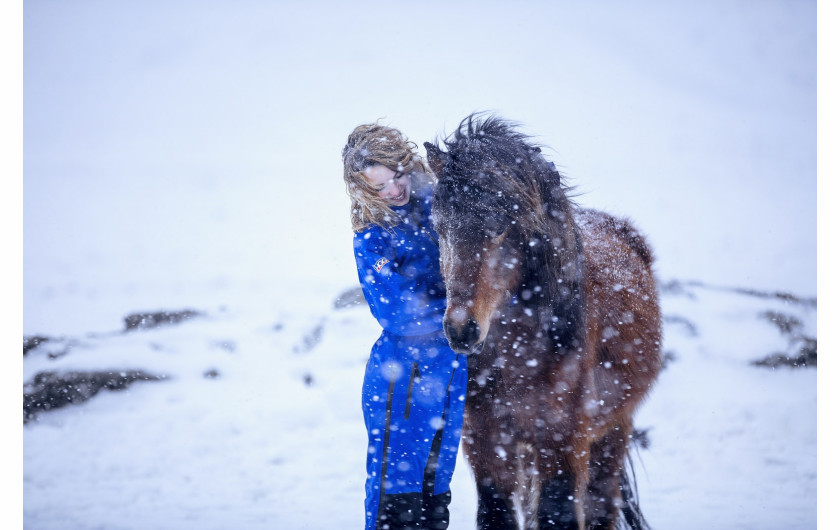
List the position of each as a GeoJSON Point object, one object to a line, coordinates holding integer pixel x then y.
{"type": "Point", "coordinates": [560, 309]}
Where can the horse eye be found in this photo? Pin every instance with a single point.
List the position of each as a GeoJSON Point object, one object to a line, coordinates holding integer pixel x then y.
{"type": "Point", "coordinates": [497, 232]}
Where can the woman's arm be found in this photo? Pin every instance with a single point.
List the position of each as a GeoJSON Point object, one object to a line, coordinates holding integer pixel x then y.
{"type": "Point", "coordinates": [390, 291]}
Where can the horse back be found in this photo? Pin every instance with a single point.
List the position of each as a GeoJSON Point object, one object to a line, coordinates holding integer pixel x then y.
{"type": "Point", "coordinates": [623, 322]}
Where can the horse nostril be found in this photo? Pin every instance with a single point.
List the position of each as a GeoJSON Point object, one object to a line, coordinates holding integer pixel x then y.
{"type": "Point", "coordinates": [471, 331]}
{"type": "Point", "coordinates": [449, 330]}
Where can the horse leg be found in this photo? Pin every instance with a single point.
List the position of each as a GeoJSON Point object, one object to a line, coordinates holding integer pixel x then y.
{"type": "Point", "coordinates": [495, 507]}
{"type": "Point", "coordinates": [561, 497]}
{"type": "Point", "coordinates": [606, 466]}
{"type": "Point", "coordinates": [495, 501]}
{"type": "Point", "coordinates": [557, 507]}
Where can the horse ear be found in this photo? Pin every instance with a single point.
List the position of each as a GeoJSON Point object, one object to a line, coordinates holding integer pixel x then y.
{"type": "Point", "coordinates": [437, 158]}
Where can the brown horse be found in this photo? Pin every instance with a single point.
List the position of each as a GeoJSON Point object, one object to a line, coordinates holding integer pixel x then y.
{"type": "Point", "coordinates": [559, 310]}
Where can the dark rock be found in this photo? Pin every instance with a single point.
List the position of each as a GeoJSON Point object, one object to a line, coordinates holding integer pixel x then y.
{"type": "Point", "coordinates": [668, 357]}
{"type": "Point", "coordinates": [779, 295]}
{"type": "Point", "coordinates": [52, 390]}
{"type": "Point", "coordinates": [788, 324]}
{"type": "Point", "coordinates": [350, 298]}
{"type": "Point", "coordinates": [688, 326]}
{"type": "Point", "coordinates": [675, 288]}
{"type": "Point", "coordinates": [226, 345]}
{"type": "Point", "coordinates": [804, 356]}
{"type": "Point", "coordinates": [310, 340]}
{"type": "Point", "coordinates": [32, 342]}
{"type": "Point", "coordinates": [212, 373]}
{"type": "Point", "coordinates": [53, 355]}
{"type": "Point", "coordinates": [159, 318]}
{"type": "Point", "coordinates": [802, 350]}
{"type": "Point", "coordinates": [55, 346]}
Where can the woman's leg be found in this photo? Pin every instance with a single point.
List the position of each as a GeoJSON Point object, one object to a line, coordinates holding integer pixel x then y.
{"type": "Point", "coordinates": [413, 400]}
{"type": "Point", "coordinates": [393, 492]}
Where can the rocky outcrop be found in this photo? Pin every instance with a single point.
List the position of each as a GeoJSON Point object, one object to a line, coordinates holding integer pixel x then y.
{"type": "Point", "coordinates": [52, 390]}
{"type": "Point", "coordinates": [801, 350]}
{"type": "Point", "coordinates": [350, 298]}
{"type": "Point", "coordinates": [32, 342]}
{"type": "Point", "coordinates": [156, 319]}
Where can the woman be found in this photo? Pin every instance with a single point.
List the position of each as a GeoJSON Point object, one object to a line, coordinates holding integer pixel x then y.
{"type": "Point", "coordinates": [415, 385]}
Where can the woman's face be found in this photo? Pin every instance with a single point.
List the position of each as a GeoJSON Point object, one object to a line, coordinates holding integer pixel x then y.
{"type": "Point", "coordinates": [392, 186]}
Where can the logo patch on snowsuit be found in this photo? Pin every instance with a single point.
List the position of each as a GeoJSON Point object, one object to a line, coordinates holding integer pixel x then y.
{"type": "Point", "coordinates": [379, 264]}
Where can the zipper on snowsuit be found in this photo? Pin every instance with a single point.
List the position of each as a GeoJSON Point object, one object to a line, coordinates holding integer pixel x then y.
{"type": "Point", "coordinates": [386, 438]}
{"type": "Point", "coordinates": [414, 375]}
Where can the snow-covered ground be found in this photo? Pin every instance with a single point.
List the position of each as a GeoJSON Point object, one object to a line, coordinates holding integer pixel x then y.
{"type": "Point", "coordinates": [186, 155]}
{"type": "Point", "coordinates": [274, 439]}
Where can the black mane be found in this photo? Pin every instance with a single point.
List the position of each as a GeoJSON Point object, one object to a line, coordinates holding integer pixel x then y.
{"type": "Point", "coordinates": [492, 169]}
{"type": "Point", "coordinates": [494, 178]}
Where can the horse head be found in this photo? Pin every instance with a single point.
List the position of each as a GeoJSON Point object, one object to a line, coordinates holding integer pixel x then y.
{"type": "Point", "coordinates": [480, 260]}
{"type": "Point", "coordinates": [495, 210]}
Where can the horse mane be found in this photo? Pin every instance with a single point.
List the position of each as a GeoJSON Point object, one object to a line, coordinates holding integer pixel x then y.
{"type": "Point", "coordinates": [497, 172]}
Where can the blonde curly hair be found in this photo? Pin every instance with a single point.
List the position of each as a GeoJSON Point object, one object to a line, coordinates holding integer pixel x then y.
{"type": "Point", "coordinates": [371, 144]}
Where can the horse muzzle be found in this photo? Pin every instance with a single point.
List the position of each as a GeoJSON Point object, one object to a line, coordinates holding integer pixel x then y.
{"type": "Point", "coordinates": [463, 338]}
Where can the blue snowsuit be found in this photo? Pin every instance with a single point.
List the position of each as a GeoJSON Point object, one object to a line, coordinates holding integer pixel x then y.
{"type": "Point", "coordinates": [415, 385]}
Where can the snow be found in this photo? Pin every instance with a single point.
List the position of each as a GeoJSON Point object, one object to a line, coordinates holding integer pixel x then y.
{"type": "Point", "coordinates": [186, 155]}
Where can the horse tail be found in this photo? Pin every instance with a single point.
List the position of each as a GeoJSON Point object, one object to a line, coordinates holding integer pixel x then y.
{"type": "Point", "coordinates": [630, 510]}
